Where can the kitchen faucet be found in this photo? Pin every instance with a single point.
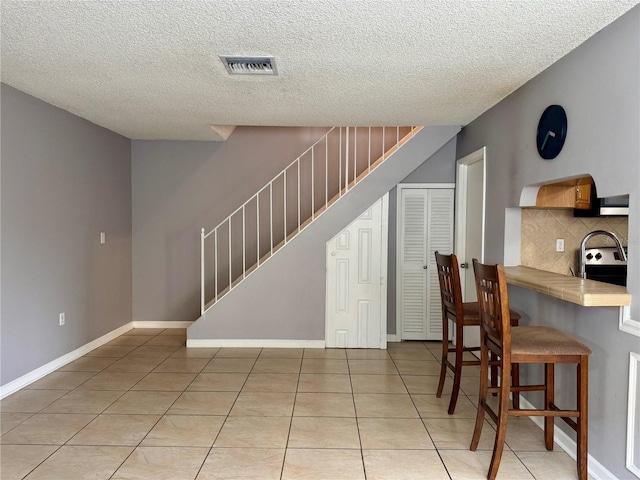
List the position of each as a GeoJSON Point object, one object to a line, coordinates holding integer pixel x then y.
{"type": "Point", "coordinates": [582, 272]}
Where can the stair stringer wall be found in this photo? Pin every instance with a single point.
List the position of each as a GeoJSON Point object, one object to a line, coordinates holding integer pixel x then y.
{"type": "Point", "coordinates": [285, 298]}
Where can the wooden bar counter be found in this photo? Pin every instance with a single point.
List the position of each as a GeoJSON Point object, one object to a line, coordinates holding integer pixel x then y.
{"type": "Point", "coordinates": [587, 293]}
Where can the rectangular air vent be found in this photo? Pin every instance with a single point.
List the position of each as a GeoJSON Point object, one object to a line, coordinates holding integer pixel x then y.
{"type": "Point", "coordinates": [237, 65]}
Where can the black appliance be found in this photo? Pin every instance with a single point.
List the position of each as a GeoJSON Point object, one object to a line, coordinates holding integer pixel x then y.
{"type": "Point", "coordinates": [604, 207]}
{"type": "Point", "coordinates": [605, 265]}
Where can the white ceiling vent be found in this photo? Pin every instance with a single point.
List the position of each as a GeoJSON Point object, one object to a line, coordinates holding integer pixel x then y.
{"type": "Point", "coordinates": [237, 65]}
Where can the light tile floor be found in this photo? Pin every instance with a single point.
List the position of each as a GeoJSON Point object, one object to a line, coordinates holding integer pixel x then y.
{"type": "Point", "coordinates": [145, 407]}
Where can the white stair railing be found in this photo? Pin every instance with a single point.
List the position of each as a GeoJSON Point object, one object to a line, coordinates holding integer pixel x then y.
{"type": "Point", "coordinates": [301, 192]}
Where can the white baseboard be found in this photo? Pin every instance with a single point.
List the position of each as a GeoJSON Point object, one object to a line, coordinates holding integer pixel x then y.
{"type": "Point", "coordinates": [253, 343]}
{"type": "Point", "coordinates": [141, 324]}
{"type": "Point", "coordinates": [46, 369]}
{"type": "Point", "coordinates": [392, 337]}
{"type": "Point", "coordinates": [566, 443]}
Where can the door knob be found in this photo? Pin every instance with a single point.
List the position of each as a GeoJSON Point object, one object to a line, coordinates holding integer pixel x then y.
{"type": "Point", "coordinates": [425, 267]}
{"type": "Point", "coordinates": [464, 265]}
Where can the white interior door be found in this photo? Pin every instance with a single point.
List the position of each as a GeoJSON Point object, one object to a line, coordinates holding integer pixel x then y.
{"type": "Point", "coordinates": [470, 214]}
{"type": "Point", "coordinates": [474, 225]}
{"type": "Point", "coordinates": [470, 204]}
{"type": "Point", "coordinates": [425, 225]}
{"type": "Point", "coordinates": [356, 282]}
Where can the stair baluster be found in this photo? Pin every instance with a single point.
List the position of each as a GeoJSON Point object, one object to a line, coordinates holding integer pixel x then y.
{"type": "Point", "coordinates": [239, 268]}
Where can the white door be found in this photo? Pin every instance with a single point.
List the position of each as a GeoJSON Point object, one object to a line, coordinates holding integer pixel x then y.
{"type": "Point", "coordinates": [356, 282]}
{"type": "Point", "coordinates": [425, 225]}
{"type": "Point", "coordinates": [470, 187]}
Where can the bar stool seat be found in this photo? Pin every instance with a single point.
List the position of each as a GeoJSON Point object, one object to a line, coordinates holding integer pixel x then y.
{"type": "Point", "coordinates": [526, 341]}
{"type": "Point", "coordinates": [521, 345]}
{"type": "Point", "coordinates": [461, 314]}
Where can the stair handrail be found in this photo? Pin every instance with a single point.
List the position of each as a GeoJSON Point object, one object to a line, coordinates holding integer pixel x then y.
{"type": "Point", "coordinates": [283, 173]}
{"type": "Point", "coordinates": [297, 159]}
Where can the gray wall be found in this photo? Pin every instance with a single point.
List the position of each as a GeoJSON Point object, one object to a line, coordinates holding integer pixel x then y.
{"type": "Point", "coordinates": [599, 86]}
{"type": "Point", "coordinates": [440, 168]}
{"type": "Point", "coordinates": [64, 180]}
{"type": "Point", "coordinates": [180, 187]}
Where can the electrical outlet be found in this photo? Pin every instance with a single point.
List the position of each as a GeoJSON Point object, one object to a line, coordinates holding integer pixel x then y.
{"type": "Point", "coordinates": [103, 239]}
{"type": "Point", "coordinates": [61, 319]}
{"type": "Point", "coordinates": [559, 244]}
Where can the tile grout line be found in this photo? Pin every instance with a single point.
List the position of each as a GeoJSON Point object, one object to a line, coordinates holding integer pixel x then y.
{"type": "Point", "coordinates": [226, 417]}
{"type": "Point", "coordinates": [295, 399]}
{"type": "Point", "coordinates": [421, 419]}
{"type": "Point", "coordinates": [154, 425]}
{"type": "Point", "coordinates": [355, 411]}
{"type": "Point", "coordinates": [129, 390]}
{"type": "Point", "coordinates": [201, 370]}
{"type": "Point", "coordinates": [166, 411]}
{"type": "Point", "coordinates": [168, 408]}
{"type": "Point", "coordinates": [72, 436]}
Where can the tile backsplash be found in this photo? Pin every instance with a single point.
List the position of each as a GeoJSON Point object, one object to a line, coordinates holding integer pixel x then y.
{"type": "Point", "coordinates": [541, 227]}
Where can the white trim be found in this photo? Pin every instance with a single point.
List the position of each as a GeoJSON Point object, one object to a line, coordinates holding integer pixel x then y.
{"type": "Point", "coordinates": [405, 186]}
{"type": "Point", "coordinates": [460, 221]}
{"type": "Point", "coordinates": [626, 323]}
{"type": "Point", "coordinates": [512, 236]}
{"type": "Point", "coordinates": [384, 256]}
{"type": "Point", "coordinates": [399, 189]}
{"type": "Point", "coordinates": [568, 444]}
{"type": "Point", "coordinates": [142, 324]}
{"type": "Point", "coordinates": [392, 337]}
{"type": "Point", "coordinates": [40, 372]}
{"type": "Point", "coordinates": [632, 463]}
{"type": "Point", "coordinates": [398, 262]}
{"type": "Point", "coordinates": [252, 343]}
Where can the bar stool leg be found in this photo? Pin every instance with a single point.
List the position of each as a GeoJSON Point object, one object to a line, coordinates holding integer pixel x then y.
{"type": "Point", "coordinates": [484, 383]}
{"type": "Point", "coordinates": [548, 401]}
{"type": "Point", "coordinates": [457, 369]}
{"type": "Point", "coordinates": [445, 353]}
{"type": "Point", "coordinates": [515, 381]}
{"type": "Point", "coordinates": [503, 415]}
{"type": "Point", "coordinates": [582, 420]}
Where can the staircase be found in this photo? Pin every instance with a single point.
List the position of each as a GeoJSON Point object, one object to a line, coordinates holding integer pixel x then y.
{"type": "Point", "coordinates": [307, 203]}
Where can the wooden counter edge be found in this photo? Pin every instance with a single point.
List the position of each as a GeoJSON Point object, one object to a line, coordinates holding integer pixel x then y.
{"type": "Point", "coordinates": [587, 293]}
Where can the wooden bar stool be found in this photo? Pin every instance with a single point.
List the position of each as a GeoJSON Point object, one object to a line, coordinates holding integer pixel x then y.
{"type": "Point", "coordinates": [462, 315]}
{"type": "Point", "coordinates": [524, 345]}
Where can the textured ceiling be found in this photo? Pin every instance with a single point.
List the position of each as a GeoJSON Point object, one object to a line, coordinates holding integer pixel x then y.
{"type": "Point", "coordinates": [150, 69]}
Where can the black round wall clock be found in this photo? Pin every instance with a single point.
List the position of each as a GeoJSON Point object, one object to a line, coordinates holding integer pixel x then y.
{"type": "Point", "coordinates": [552, 131]}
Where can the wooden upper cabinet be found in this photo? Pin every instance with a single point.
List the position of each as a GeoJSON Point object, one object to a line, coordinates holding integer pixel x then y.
{"type": "Point", "coordinates": [584, 196]}
{"type": "Point", "coordinates": [574, 193]}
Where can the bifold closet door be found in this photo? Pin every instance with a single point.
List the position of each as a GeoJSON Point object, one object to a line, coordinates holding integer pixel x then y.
{"type": "Point", "coordinates": [426, 225]}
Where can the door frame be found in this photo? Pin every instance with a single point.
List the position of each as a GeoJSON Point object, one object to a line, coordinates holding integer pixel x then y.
{"type": "Point", "coordinates": [400, 188]}
{"type": "Point", "coordinates": [460, 215]}
{"type": "Point", "coordinates": [384, 255]}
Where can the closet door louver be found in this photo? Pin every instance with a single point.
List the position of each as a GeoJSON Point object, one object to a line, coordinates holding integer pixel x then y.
{"type": "Point", "coordinates": [439, 238]}
{"type": "Point", "coordinates": [414, 234]}
{"type": "Point", "coordinates": [426, 226]}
